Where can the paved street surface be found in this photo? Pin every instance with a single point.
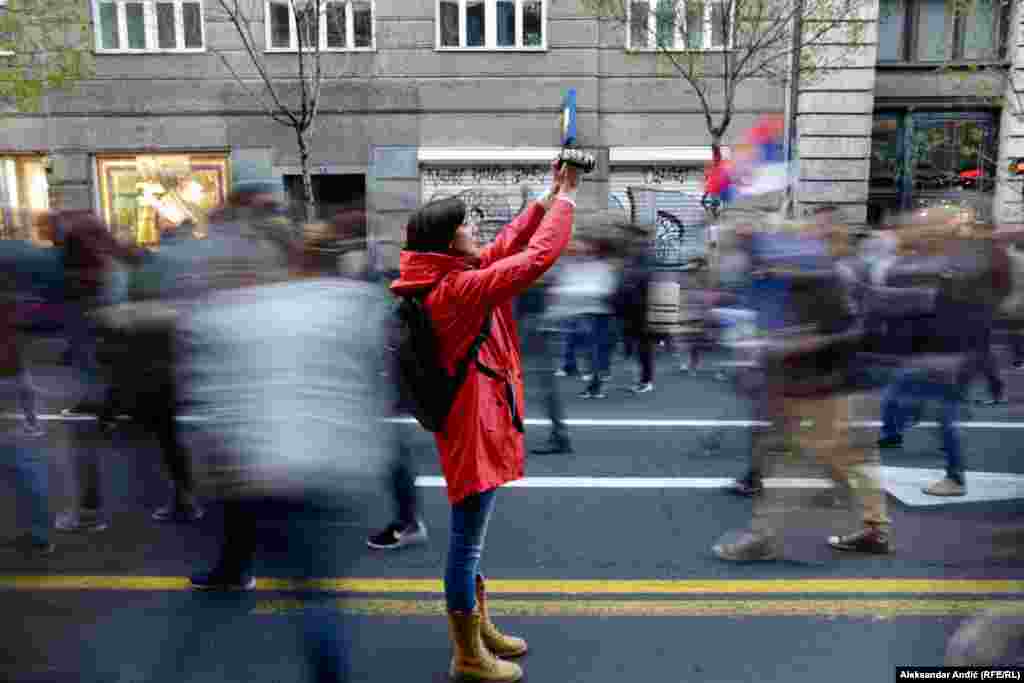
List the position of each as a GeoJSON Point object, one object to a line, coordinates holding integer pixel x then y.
{"type": "Point", "coordinates": [609, 577]}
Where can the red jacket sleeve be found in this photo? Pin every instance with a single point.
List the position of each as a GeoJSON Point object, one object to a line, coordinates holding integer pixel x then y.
{"type": "Point", "coordinates": [514, 237]}
{"type": "Point", "coordinates": [498, 283]}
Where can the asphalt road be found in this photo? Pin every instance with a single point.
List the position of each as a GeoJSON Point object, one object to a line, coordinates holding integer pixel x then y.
{"type": "Point", "coordinates": [607, 584]}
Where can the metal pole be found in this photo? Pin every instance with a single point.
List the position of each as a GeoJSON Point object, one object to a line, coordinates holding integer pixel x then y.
{"type": "Point", "coordinates": [793, 101]}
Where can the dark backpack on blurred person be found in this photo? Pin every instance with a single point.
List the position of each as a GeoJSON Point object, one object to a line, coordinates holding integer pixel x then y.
{"type": "Point", "coordinates": [426, 390]}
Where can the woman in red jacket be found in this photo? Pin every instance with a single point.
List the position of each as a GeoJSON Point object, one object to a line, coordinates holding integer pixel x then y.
{"type": "Point", "coordinates": [481, 447]}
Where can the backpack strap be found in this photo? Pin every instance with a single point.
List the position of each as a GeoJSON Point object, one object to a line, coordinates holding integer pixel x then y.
{"type": "Point", "coordinates": [463, 367]}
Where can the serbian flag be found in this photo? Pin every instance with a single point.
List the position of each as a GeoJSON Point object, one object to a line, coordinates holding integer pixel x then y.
{"type": "Point", "coordinates": [758, 164]}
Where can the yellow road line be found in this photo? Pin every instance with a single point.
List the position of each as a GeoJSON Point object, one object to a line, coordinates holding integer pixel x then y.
{"type": "Point", "coordinates": [555, 587]}
{"type": "Point", "coordinates": [877, 609]}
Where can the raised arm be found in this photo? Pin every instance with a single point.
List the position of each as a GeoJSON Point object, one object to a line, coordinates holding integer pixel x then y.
{"type": "Point", "coordinates": [514, 237]}
{"type": "Point", "coordinates": [506, 278]}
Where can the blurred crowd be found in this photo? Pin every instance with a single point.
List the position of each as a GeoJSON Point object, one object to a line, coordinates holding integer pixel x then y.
{"type": "Point", "coordinates": [256, 354]}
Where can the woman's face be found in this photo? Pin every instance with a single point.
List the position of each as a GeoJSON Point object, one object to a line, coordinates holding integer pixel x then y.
{"type": "Point", "coordinates": [466, 239]}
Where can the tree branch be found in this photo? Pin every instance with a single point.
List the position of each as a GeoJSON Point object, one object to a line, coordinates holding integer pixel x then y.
{"type": "Point", "coordinates": [249, 43]}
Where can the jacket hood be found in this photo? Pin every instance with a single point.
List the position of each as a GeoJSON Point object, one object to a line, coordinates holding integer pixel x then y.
{"type": "Point", "coordinates": [420, 270]}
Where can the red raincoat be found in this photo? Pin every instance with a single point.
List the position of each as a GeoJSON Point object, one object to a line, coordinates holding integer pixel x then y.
{"type": "Point", "coordinates": [480, 447]}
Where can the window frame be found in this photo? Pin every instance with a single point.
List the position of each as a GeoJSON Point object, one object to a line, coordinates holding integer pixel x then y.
{"type": "Point", "coordinates": [150, 22]}
{"type": "Point", "coordinates": [910, 30]}
{"type": "Point", "coordinates": [679, 37]}
{"type": "Point", "coordinates": [293, 40]}
{"type": "Point", "coordinates": [491, 29]}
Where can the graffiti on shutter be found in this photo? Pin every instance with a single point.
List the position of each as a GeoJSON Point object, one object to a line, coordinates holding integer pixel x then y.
{"type": "Point", "coordinates": [493, 194]}
{"type": "Point", "coordinates": [668, 196]}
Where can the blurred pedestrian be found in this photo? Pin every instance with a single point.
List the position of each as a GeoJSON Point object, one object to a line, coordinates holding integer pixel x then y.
{"type": "Point", "coordinates": [803, 304]}
{"type": "Point", "coordinates": [19, 448]}
{"type": "Point", "coordinates": [481, 447]}
{"type": "Point", "coordinates": [295, 454]}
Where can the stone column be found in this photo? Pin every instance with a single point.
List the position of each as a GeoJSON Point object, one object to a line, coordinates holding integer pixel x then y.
{"type": "Point", "coordinates": [834, 118]}
{"type": "Point", "coordinates": [1009, 206]}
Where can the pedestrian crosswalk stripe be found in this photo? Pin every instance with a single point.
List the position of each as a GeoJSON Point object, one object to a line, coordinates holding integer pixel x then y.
{"type": "Point", "coordinates": [552, 587]}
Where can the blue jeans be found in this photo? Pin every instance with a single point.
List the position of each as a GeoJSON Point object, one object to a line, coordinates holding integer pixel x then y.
{"type": "Point", "coordinates": [902, 401]}
{"type": "Point", "coordinates": [574, 336]}
{"type": "Point", "coordinates": [31, 481]}
{"type": "Point", "coordinates": [82, 342]}
{"type": "Point", "coordinates": [466, 545]}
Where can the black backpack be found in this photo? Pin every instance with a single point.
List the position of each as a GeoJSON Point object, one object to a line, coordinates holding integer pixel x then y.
{"type": "Point", "coordinates": [426, 390]}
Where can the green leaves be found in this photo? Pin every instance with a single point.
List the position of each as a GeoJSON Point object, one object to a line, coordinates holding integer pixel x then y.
{"type": "Point", "coordinates": [45, 46]}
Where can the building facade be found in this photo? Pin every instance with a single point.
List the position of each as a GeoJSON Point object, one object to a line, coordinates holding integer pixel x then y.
{"type": "Point", "coordinates": [428, 98]}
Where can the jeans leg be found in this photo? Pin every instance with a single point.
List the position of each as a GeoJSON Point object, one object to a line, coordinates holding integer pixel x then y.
{"type": "Point", "coordinates": [950, 435]}
{"type": "Point", "coordinates": [553, 399]}
{"type": "Point", "coordinates": [990, 367]}
{"type": "Point", "coordinates": [893, 412]}
{"type": "Point", "coordinates": [27, 397]}
{"type": "Point", "coordinates": [468, 531]}
{"type": "Point", "coordinates": [32, 483]}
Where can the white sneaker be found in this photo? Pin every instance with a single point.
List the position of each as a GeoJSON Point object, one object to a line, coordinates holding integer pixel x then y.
{"type": "Point", "coordinates": [945, 487]}
{"type": "Point", "coordinates": [642, 388]}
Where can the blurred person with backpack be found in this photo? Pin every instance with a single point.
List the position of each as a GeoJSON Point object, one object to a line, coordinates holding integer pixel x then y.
{"type": "Point", "coordinates": [467, 294]}
{"type": "Point", "coordinates": [811, 334]}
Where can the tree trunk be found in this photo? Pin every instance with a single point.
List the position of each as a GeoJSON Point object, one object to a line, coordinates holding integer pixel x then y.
{"type": "Point", "coordinates": [307, 179]}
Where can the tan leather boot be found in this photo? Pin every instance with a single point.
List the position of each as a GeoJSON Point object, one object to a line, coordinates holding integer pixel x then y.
{"type": "Point", "coordinates": [501, 645]}
{"type": "Point", "coordinates": [472, 660]}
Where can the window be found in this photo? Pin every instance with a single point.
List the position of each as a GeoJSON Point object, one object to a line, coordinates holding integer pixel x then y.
{"type": "Point", "coordinates": [921, 159]}
{"type": "Point", "coordinates": [149, 25]}
{"type": "Point", "coordinates": [143, 196]}
{"type": "Point", "coordinates": [942, 30]}
{"type": "Point", "coordinates": [492, 24]}
{"type": "Point", "coordinates": [679, 24]}
{"type": "Point", "coordinates": [24, 196]}
{"type": "Point", "coordinates": [342, 25]}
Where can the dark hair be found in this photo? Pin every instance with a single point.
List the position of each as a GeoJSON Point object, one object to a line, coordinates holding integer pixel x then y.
{"type": "Point", "coordinates": [432, 227]}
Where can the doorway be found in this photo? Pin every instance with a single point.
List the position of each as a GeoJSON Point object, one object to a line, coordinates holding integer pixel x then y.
{"type": "Point", "coordinates": [333, 193]}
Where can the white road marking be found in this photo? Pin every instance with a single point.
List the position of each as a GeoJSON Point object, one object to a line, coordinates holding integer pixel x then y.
{"type": "Point", "coordinates": [583, 422]}
{"type": "Point", "coordinates": [905, 483]}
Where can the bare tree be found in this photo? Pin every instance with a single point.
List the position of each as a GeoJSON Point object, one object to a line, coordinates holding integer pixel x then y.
{"type": "Point", "coordinates": [293, 102]}
{"type": "Point", "coordinates": [715, 46]}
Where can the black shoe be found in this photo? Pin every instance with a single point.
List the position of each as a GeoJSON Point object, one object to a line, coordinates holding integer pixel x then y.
{"type": "Point", "coordinates": [399, 535]}
{"type": "Point", "coordinates": [998, 400]}
{"type": "Point", "coordinates": [216, 581]}
{"type": "Point", "coordinates": [553, 447]}
{"type": "Point", "coordinates": [890, 442]}
{"type": "Point", "coordinates": [31, 546]}
{"type": "Point", "coordinates": [746, 487]}
{"type": "Point", "coordinates": [867, 540]}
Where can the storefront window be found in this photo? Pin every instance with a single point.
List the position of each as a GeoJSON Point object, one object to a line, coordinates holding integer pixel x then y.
{"type": "Point", "coordinates": [24, 195]}
{"type": "Point", "coordinates": [933, 159]}
{"type": "Point", "coordinates": [145, 195]}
